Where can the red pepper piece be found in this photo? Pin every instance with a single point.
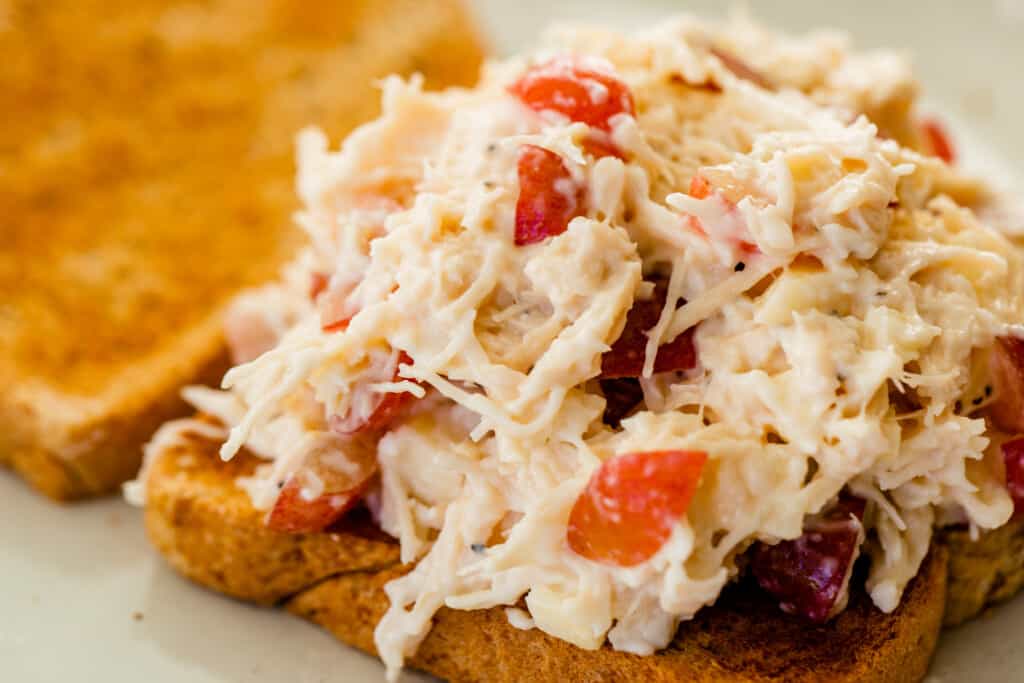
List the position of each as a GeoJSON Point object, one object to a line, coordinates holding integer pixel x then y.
{"type": "Point", "coordinates": [1007, 410]}
{"type": "Point", "coordinates": [548, 196]}
{"type": "Point", "coordinates": [373, 411]}
{"type": "Point", "coordinates": [939, 141]}
{"type": "Point", "coordinates": [581, 91]}
{"type": "Point", "coordinates": [631, 504]}
{"type": "Point", "coordinates": [342, 490]}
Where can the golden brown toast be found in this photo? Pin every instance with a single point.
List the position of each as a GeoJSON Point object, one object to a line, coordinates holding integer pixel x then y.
{"type": "Point", "coordinates": [983, 572]}
{"type": "Point", "coordinates": [145, 177]}
{"type": "Point", "coordinates": [208, 530]}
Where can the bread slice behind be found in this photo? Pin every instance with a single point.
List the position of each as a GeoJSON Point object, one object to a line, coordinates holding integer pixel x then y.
{"type": "Point", "coordinates": [146, 174]}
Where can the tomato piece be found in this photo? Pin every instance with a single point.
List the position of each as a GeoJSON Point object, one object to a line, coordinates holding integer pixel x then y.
{"type": "Point", "coordinates": [631, 503]}
{"type": "Point", "coordinates": [317, 284]}
{"type": "Point", "coordinates": [939, 141]}
{"type": "Point", "coordinates": [729, 196]}
{"type": "Point", "coordinates": [381, 412]}
{"type": "Point", "coordinates": [810, 575]}
{"type": "Point", "coordinates": [548, 196]}
{"type": "Point", "coordinates": [626, 357]}
{"type": "Point", "coordinates": [1013, 459]}
{"type": "Point", "coordinates": [580, 90]}
{"type": "Point", "coordinates": [337, 325]}
{"type": "Point", "coordinates": [599, 145]}
{"type": "Point", "coordinates": [332, 294]}
{"type": "Point", "coordinates": [1007, 365]}
{"type": "Point", "coordinates": [700, 187]}
{"type": "Point", "coordinates": [335, 305]}
{"type": "Point", "coordinates": [295, 515]}
{"type": "Point", "coordinates": [370, 410]}
{"type": "Point", "coordinates": [341, 489]}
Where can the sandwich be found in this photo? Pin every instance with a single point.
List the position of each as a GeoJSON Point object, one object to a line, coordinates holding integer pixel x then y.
{"type": "Point", "coordinates": [683, 354]}
{"type": "Point", "coordinates": [145, 174]}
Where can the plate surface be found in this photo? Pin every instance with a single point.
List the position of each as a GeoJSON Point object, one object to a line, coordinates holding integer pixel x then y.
{"type": "Point", "coordinates": [83, 598]}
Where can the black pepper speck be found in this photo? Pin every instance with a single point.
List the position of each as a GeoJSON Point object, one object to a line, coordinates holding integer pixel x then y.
{"type": "Point", "coordinates": [740, 266]}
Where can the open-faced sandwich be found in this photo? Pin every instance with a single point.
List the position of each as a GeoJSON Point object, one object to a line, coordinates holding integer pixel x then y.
{"type": "Point", "coordinates": [679, 355]}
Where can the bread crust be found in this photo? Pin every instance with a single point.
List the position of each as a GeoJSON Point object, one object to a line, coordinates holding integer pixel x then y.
{"type": "Point", "coordinates": [146, 172]}
{"type": "Point", "coordinates": [205, 526]}
{"type": "Point", "coordinates": [743, 637]}
{"type": "Point", "coordinates": [984, 571]}
{"type": "Point", "coordinates": [207, 529]}
{"type": "Point", "coordinates": [70, 448]}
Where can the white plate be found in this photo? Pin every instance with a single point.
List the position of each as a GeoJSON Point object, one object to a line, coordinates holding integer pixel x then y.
{"type": "Point", "coordinates": [82, 598]}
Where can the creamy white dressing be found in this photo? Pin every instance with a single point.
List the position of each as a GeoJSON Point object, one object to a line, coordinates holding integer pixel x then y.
{"type": "Point", "coordinates": [856, 279]}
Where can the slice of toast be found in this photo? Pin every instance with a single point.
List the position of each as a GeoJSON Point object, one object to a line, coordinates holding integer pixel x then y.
{"type": "Point", "coordinates": [207, 529]}
{"type": "Point", "coordinates": [984, 571]}
{"type": "Point", "coordinates": [146, 176]}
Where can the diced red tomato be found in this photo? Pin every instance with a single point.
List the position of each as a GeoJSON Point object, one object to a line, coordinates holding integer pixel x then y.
{"type": "Point", "coordinates": [599, 145]}
{"type": "Point", "coordinates": [1013, 459]}
{"type": "Point", "coordinates": [342, 489]}
{"type": "Point", "coordinates": [626, 357]}
{"type": "Point", "coordinates": [810, 575]}
{"type": "Point", "coordinates": [295, 515]}
{"type": "Point", "coordinates": [337, 325]}
{"type": "Point", "coordinates": [335, 304]}
{"type": "Point", "coordinates": [1007, 410]}
{"type": "Point", "coordinates": [938, 139]}
{"type": "Point", "coordinates": [628, 509]}
{"type": "Point", "coordinates": [700, 187]}
{"type": "Point", "coordinates": [548, 196]}
{"type": "Point", "coordinates": [332, 294]}
{"type": "Point", "coordinates": [317, 285]}
{"type": "Point", "coordinates": [576, 89]}
{"type": "Point", "coordinates": [383, 411]}
{"type": "Point", "coordinates": [370, 410]}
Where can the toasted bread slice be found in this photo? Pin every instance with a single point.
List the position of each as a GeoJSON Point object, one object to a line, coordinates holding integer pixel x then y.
{"type": "Point", "coordinates": [145, 177]}
{"type": "Point", "coordinates": [208, 530]}
{"type": "Point", "coordinates": [984, 571]}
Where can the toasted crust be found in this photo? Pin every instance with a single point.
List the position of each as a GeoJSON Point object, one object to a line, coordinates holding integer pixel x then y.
{"type": "Point", "coordinates": [146, 177]}
{"type": "Point", "coordinates": [208, 530]}
{"type": "Point", "coordinates": [743, 637]}
{"type": "Point", "coordinates": [985, 571]}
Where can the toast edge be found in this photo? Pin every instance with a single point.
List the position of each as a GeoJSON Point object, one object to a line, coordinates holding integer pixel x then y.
{"type": "Point", "coordinates": [94, 456]}
{"type": "Point", "coordinates": [983, 572]}
{"type": "Point", "coordinates": [207, 530]}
